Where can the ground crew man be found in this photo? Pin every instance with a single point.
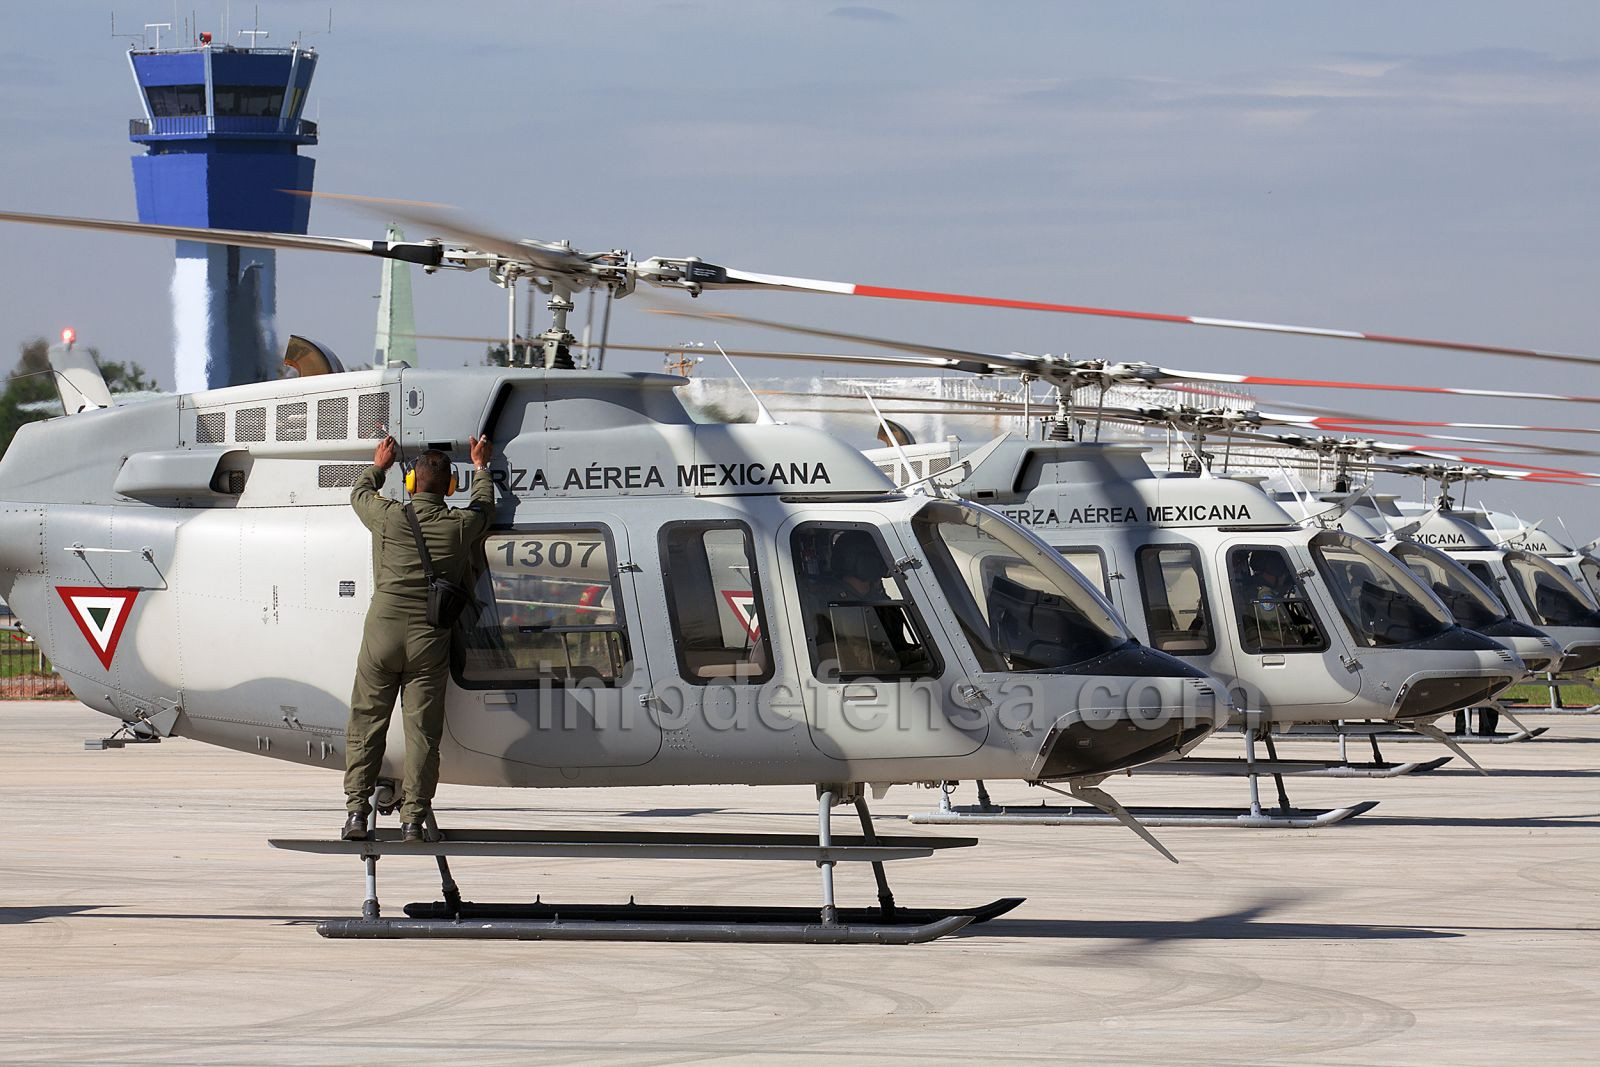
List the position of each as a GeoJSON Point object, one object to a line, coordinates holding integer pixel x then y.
{"type": "Point", "coordinates": [400, 651]}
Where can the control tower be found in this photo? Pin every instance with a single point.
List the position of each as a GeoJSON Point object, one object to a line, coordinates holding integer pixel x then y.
{"type": "Point", "coordinates": [222, 134]}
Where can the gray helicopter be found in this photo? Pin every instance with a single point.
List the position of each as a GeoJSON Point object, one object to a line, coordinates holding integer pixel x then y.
{"type": "Point", "coordinates": [662, 602]}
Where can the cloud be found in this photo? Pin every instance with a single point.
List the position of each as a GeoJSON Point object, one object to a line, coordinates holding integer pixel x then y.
{"type": "Point", "coordinates": [863, 13]}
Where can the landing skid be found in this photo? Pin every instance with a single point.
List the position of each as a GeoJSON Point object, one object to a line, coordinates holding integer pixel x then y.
{"type": "Point", "coordinates": [886, 924]}
{"type": "Point", "coordinates": [659, 922]}
{"type": "Point", "coordinates": [1555, 707]}
{"type": "Point", "coordinates": [1299, 768]}
{"type": "Point", "coordinates": [1387, 734]}
{"type": "Point", "coordinates": [1061, 815]}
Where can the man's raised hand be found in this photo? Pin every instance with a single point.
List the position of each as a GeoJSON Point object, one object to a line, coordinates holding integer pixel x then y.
{"type": "Point", "coordinates": [383, 458]}
{"type": "Point", "coordinates": [481, 451]}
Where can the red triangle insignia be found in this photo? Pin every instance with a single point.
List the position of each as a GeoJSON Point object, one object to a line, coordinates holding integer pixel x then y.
{"type": "Point", "coordinates": [101, 614]}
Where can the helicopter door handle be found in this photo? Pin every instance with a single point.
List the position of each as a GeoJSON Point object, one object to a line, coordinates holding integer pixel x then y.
{"type": "Point", "coordinates": [858, 694]}
{"type": "Point", "coordinates": [1273, 661]}
{"type": "Point", "coordinates": [1350, 663]}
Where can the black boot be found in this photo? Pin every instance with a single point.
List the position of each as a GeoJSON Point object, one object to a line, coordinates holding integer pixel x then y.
{"type": "Point", "coordinates": [416, 833]}
{"type": "Point", "coordinates": [355, 827]}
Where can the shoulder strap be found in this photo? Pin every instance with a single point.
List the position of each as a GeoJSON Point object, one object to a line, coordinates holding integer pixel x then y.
{"type": "Point", "coordinates": [422, 546]}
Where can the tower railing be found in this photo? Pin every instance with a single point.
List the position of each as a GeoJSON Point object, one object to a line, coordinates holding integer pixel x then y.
{"type": "Point", "coordinates": [236, 125]}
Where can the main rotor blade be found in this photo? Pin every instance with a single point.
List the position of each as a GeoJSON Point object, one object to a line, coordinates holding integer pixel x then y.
{"type": "Point", "coordinates": [743, 279]}
{"type": "Point", "coordinates": [428, 254]}
{"type": "Point", "coordinates": [1314, 383]}
{"type": "Point", "coordinates": [958, 358]}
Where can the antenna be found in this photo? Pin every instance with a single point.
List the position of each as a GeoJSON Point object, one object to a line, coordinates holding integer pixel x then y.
{"type": "Point", "coordinates": [763, 416]}
{"type": "Point", "coordinates": [158, 27]}
{"type": "Point", "coordinates": [888, 432]}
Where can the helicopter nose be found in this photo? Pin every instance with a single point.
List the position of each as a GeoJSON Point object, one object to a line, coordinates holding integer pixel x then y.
{"type": "Point", "coordinates": [1161, 719]}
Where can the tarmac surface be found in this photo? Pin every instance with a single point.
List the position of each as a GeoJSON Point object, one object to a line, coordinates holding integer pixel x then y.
{"type": "Point", "coordinates": [143, 919]}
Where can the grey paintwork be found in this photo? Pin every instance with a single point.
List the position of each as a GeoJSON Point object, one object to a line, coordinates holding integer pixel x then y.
{"type": "Point", "coordinates": [225, 516]}
{"type": "Point", "coordinates": [1105, 497]}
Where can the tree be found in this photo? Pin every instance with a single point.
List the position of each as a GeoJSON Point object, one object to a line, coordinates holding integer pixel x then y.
{"type": "Point", "coordinates": [31, 386]}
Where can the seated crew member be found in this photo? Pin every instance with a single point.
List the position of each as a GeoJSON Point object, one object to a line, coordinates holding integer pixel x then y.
{"type": "Point", "coordinates": [1271, 612]}
{"type": "Point", "coordinates": [857, 628]}
{"type": "Point", "coordinates": [400, 651]}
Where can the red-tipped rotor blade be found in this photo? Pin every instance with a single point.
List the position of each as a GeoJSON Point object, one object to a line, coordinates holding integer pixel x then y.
{"type": "Point", "coordinates": [744, 279]}
{"type": "Point", "coordinates": [1316, 383]}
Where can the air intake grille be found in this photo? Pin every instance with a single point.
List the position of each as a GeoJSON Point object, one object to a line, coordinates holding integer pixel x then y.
{"type": "Point", "coordinates": [210, 428]}
{"type": "Point", "coordinates": [333, 419]}
{"type": "Point", "coordinates": [339, 475]}
{"type": "Point", "coordinates": [372, 416]}
{"type": "Point", "coordinates": [250, 424]}
{"type": "Point", "coordinates": [292, 421]}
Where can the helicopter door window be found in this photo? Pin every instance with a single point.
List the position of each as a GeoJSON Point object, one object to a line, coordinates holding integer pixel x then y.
{"type": "Point", "coordinates": [550, 612]}
{"type": "Point", "coordinates": [714, 602]}
{"type": "Point", "coordinates": [1470, 604]}
{"type": "Point", "coordinates": [1274, 614]}
{"type": "Point", "coordinates": [1550, 595]}
{"type": "Point", "coordinates": [1174, 597]}
{"type": "Point", "coordinates": [860, 622]}
{"type": "Point", "coordinates": [1089, 563]}
{"type": "Point", "coordinates": [1383, 602]}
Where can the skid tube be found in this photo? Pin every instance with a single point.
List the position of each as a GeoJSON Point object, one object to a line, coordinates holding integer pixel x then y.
{"type": "Point", "coordinates": [1282, 816]}
{"type": "Point", "coordinates": [454, 918]}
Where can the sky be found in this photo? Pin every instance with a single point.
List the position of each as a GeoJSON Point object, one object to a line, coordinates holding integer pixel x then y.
{"type": "Point", "coordinates": [1424, 169]}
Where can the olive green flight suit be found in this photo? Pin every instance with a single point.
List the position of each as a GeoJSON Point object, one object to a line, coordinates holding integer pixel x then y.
{"type": "Point", "coordinates": [400, 652]}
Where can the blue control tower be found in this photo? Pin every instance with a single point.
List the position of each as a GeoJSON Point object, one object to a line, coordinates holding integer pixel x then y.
{"type": "Point", "coordinates": [222, 133]}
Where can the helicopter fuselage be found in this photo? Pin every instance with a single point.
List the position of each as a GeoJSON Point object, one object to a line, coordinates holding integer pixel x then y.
{"type": "Point", "coordinates": [660, 597]}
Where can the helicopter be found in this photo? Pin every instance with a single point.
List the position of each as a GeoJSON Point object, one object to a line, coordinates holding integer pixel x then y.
{"type": "Point", "coordinates": [662, 602]}
{"type": "Point", "coordinates": [1303, 625]}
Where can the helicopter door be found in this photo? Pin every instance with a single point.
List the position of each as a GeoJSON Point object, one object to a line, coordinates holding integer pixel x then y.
{"type": "Point", "coordinates": [554, 664]}
{"type": "Point", "coordinates": [1285, 649]}
{"type": "Point", "coordinates": [1177, 605]}
{"type": "Point", "coordinates": [873, 667]}
{"type": "Point", "coordinates": [712, 597]}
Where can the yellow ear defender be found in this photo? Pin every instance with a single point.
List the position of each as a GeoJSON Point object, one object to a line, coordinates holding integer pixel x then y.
{"type": "Point", "coordinates": [411, 482]}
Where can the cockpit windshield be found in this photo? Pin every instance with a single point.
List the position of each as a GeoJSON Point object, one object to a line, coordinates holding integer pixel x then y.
{"type": "Point", "coordinates": [1552, 597]}
{"type": "Point", "coordinates": [1589, 566]}
{"type": "Point", "coordinates": [1471, 603]}
{"type": "Point", "coordinates": [1018, 604]}
{"type": "Point", "coordinates": [1383, 602]}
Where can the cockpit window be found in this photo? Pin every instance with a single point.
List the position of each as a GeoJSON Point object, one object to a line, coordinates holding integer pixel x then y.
{"type": "Point", "coordinates": [1175, 600]}
{"type": "Point", "coordinates": [1274, 614]}
{"type": "Point", "coordinates": [1590, 568]}
{"type": "Point", "coordinates": [1018, 606]}
{"type": "Point", "coordinates": [1551, 597]}
{"type": "Point", "coordinates": [860, 622]}
{"type": "Point", "coordinates": [1471, 603]}
{"type": "Point", "coordinates": [1383, 603]}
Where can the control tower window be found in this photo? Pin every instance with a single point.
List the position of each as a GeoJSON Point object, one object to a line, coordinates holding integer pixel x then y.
{"type": "Point", "coordinates": [167, 101]}
{"type": "Point", "coordinates": [249, 101]}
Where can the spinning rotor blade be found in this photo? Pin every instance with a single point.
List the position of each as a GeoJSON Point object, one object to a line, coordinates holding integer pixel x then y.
{"type": "Point", "coordinates": [734, 279]}
{"type": "Point", "coordinates": [428, 254]}
{"type": "Point", "coordinates": [1313, 383]}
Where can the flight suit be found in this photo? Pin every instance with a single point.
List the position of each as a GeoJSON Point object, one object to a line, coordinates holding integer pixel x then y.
{"type": "Point", "coordinates": [400, 652]}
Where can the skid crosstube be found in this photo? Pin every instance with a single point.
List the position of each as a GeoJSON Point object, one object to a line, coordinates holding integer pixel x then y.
{"type": "Point", "coordinates": [886, 924]}
{"type": "Point", "coordinates": [1058, 815]}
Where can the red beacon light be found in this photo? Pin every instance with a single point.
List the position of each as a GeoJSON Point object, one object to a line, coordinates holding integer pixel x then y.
{"type": "Point", "coordinates": [68, 335]}
{"type": "Point", "coordinates": [205, 37]}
